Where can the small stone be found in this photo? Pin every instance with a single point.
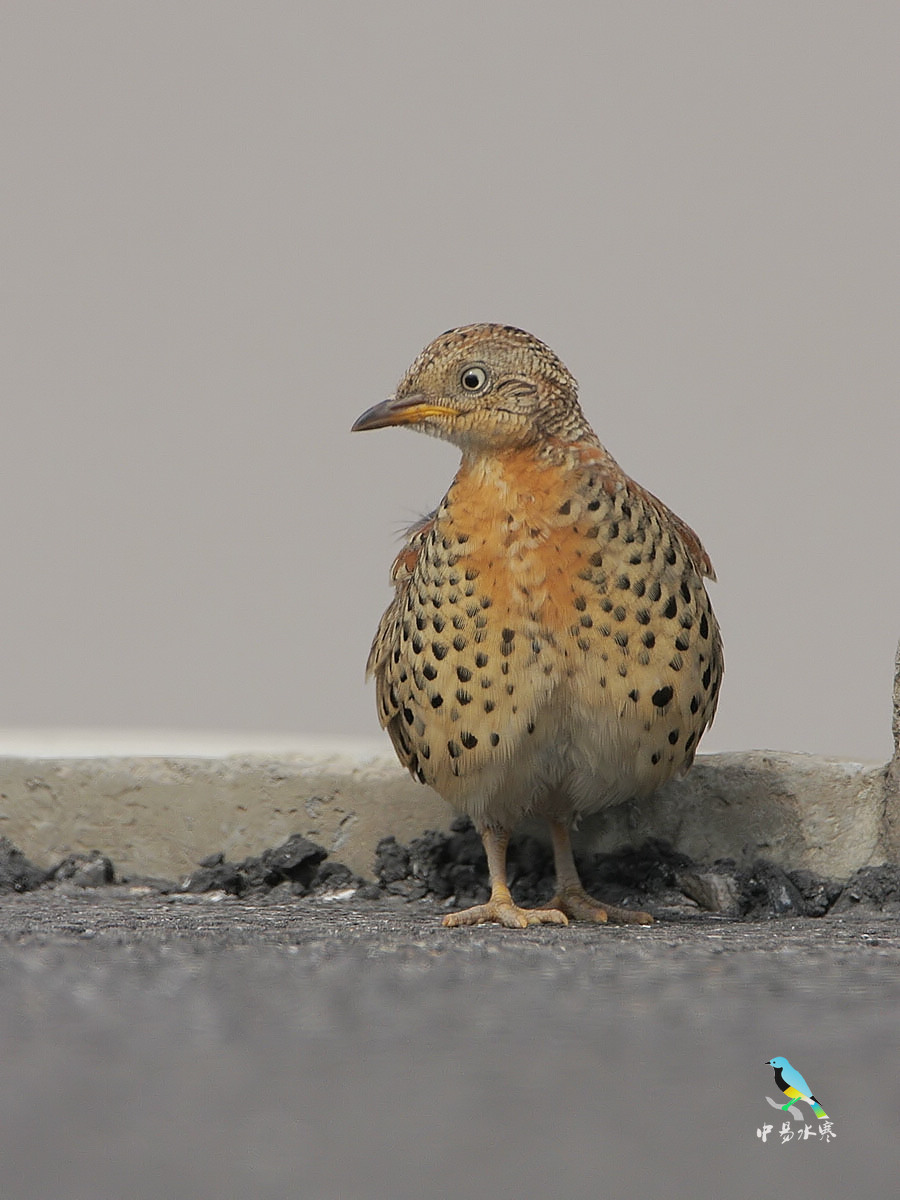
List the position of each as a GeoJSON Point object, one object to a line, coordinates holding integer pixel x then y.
{"type": "Point", "coordinates": [768, 891]}
{"type": "Point", "coordinates": [391, 861]}
{"type": "Point", "coordinates": [818, 894]}
{"type": "Point", "coordinates": [369, 891]}
{"type": "Point", "coordinates": [713, 890]}
{"type": "Point", "coordinates": [876, 887]}
{"type": "Point", "coordinates": [17, 873]}
{"type": "Point", "coordinates": [296, 859]}
{"type": "Point", "coordinates": [225, 877]}
{"type": "Point", "coordinates": [333, 877]}
{"type": "Point", "coordinates": [85, 870]}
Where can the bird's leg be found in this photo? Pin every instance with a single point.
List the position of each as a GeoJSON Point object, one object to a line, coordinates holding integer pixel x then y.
{"type": "Point", "coordinates": [572, 899]}
{"type": "Point", "coordinates": [501, 908]}
{"type": "Point", "coordinates": [785, 1107]}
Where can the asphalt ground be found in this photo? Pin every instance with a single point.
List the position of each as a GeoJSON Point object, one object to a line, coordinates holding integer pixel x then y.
{"type": "Point", "coordinates": [207, 1046]}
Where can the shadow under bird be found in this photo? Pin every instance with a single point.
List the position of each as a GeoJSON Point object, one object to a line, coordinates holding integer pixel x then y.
{"type": "Point", "coordinates": [550, 648]}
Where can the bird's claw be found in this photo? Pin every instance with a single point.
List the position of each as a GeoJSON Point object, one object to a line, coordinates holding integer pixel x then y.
{"type": "Point", "coordinates": [507, 914]}
{"type": "Point", "coordinates": [579, 906]}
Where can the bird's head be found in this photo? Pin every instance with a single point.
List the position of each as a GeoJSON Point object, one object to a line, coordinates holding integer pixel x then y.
{"type": "Point", "coordinates": [778, 1062]}
{"type": "Point", "coordinates": [486, 388]}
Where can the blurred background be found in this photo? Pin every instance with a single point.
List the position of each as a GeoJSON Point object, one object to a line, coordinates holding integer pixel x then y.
{"type": "Point", "coordinates": [227, 230]}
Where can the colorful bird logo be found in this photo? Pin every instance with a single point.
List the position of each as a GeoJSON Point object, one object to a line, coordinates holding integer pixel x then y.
{"type": "Point", "coordinates": [794, 1086]}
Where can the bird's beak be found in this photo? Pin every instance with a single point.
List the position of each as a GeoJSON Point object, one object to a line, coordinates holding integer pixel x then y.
{"type": "Point", "coordinates": [400, 410]}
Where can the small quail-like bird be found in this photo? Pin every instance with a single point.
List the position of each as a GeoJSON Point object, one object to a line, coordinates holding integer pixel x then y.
{"type": "Point", "coordinates": [550, 649]}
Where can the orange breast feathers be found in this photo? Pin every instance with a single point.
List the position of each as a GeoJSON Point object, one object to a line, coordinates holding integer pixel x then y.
{"type": "Point", "coordinates": [518, 515]}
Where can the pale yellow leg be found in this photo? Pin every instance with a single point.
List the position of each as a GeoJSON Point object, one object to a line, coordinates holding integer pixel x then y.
{"type": "Point", "coordinates": [501, 908]}
{"type": "Point", "coordinates": [572, 899]}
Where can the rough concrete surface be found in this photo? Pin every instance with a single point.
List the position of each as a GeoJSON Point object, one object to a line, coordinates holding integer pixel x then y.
{"type": "Point", "coordinates": [211, 1047]}
{"type": "Point", "coordinates": [892, 780]}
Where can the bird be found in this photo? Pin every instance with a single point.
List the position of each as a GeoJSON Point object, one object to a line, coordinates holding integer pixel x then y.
{"type": "Point", "coordinates": [550, 648]}
{"type": "Point", "coordinates": [794, 1086]}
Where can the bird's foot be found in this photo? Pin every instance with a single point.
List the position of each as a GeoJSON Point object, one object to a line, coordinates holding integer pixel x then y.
{"type": "Point", "coordinates": [579, 906]}
{"type": "Point", "coordinates": [504, 912]}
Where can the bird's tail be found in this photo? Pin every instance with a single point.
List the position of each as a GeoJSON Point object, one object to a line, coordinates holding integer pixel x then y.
{"type": "Point", "coordinates": [817, 1108]}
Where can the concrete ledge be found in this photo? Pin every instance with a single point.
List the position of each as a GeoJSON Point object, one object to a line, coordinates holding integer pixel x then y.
{"type": "Point", "coordinates": [159, 815]}
{"type": "Point", "coordinates": [825, 815]}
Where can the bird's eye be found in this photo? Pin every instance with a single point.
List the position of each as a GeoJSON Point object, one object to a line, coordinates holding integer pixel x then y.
{"type": "Point", "coordinates": [473, 379]}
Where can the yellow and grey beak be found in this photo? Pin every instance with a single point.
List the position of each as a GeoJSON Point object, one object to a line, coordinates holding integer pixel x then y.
{"type": "Point", "coordinates": [405, 410]}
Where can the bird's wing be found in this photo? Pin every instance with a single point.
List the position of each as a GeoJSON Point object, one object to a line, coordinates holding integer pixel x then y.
{"type": "Point", "coordinates": [612, 478]}
{"type": "Point", "coordinates": [387, 640]}
{"type": "Point", "coordinates": [401, 573]}
{"type": "Point", "coordinates": [692, 544]}
{"type": "Point", "coordinates": [794, 1079]}
{"type": "Point", "coordinates": [650, 565]}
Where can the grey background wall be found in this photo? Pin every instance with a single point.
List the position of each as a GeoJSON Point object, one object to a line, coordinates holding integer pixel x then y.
{"type": "Point", "coordinates": [227, 228]}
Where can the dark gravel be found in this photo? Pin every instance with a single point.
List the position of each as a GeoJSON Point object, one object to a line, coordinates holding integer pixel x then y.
{"type": "Point", "coordinates": [450, 867]}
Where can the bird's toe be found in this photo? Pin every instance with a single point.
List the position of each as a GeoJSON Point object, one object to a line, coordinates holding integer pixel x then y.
{"type": "Point", "coordinates": [507, 914]}
{"type": "Point", "coordinates": [579, 906]}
